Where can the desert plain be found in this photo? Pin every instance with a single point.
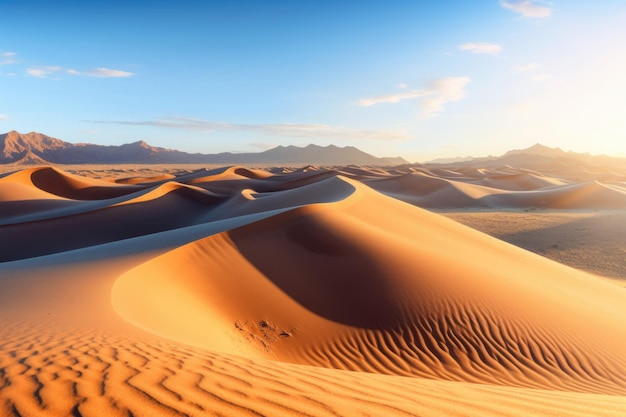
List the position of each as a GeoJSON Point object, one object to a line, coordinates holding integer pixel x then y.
{"type": "Point", "coordinates": [316, 291]}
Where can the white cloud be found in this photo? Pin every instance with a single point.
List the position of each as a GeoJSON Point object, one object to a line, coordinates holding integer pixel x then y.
{"type": "Point", "coordinates": [481, 48]}
{"type": "Point", "coordinates": [42, 72]}
{"type": "Point", "coordinates": [3, 117]}
{"type": "Point", "coordinates": [277, 129]}
{"type": "Point", "coordinates": [433, 98]}
{"type": "Point", "coordinates": [531, 68]}
{"type": "Point", "coordinates": [102, 73]}
{"type": "Point", "coordinates": [402, 85]}
{"type": "Point", "coordinates": [445, 90]}
{"type": "Point", "coordinates": [527, 8]}
{"type": "Point", "coordinates": [393, 98]}
{"type": "Point", "coordinates": [525, 68]}
{"type": "Point", "coordinates": [262, 145]}
{"type": "Point", "coordinates": [7, 58]}
{"type": "Point", "coordinates": [174, 122]}
{"type": "Point", "coordinates": [45, 71]}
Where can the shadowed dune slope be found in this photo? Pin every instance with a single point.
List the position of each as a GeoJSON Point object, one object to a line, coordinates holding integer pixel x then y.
{"type": "Point", "coordinates": [31, 224]}
{"type": "Point", "coordinates": [81, 225]}
{"type": "Point", "coordinates": [372, 284]}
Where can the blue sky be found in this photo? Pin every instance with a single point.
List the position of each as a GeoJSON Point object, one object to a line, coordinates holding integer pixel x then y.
{"type": "Point", "coordinates": [419, 79]}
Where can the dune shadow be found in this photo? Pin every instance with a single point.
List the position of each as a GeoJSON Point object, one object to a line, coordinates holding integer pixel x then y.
{"type": "Point", "coordinates": [176, 209]}
{"type": "Point", "coordinates": [324, 271]}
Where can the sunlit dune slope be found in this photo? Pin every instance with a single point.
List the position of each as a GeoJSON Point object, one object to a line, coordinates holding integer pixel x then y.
{"type": "Point", "coordinates": [299, 291]}
{"type": "Point", "coordinates": [372, 284]}
{"type": "Point", "coordinates": [64, 184]}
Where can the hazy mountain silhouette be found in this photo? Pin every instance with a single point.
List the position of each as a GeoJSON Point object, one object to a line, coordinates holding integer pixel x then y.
{"type": "Point", "coordinates": [37, 148]}
{"type": "Point", "coordinates": [536, 157]}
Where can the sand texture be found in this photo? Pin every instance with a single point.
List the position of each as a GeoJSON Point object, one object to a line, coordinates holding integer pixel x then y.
{"type": "Point", "coordinates": [311, 291]}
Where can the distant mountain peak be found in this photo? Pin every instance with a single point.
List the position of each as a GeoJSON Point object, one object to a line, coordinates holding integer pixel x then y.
{"type": "Point", "coordinates": [313, 154]}
{"type": "Point", "coordinates": [15, 146]}
{"type": "Point", "coordinates": [535, 157]}
{"type": "Point", "coordinates": [538, 149]}
{"type": "Point", "coordinates": [140, 144]}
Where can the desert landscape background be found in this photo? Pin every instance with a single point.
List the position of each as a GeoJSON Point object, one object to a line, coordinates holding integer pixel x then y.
{"type": "Point", "coordinates": [320, 289]}
{"type": "Point", "coordinates": [312, 208]}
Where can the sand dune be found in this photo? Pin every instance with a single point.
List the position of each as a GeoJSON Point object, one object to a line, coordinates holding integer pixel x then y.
{"type": "Point", "coordinates": [311, 291]}
{"type": "Point", "coordinates": [520, 181]}
{"type": "Point", "coordinates": [405, 299]}
{"type": "Point", "coordinates": [511, 191]}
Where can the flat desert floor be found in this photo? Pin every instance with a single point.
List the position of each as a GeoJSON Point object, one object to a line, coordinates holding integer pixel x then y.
{"type": "Point", "coordinates": [345, 291]}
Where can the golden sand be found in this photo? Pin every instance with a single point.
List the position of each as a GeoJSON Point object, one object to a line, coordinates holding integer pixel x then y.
{"type": "Point", "coordinates": [238, 291]}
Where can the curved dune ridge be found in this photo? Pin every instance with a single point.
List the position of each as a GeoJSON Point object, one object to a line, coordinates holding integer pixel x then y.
{"type": "Point", "coordinates": [344, 288]}
{"type": "Point", "coordinates": [311, 291]}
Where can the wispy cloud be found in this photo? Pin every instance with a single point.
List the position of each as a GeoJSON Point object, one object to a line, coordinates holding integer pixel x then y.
{"type": "Point", "coordinates": [45, 71]}
{"type": "Point", "coordinates": [481, 48]}
{"type": "Point", "coordinates": [393, 98]}
{"type": "Point", "coordinates": [7, 58]}
{"type": "Point", "coordinates": [526, 68]}
{"type": "Point", "coordinates": [445, 90]}
{"type": "Point", "coordinates": [527, 8]}
{"type": "Point", "coordinates": [531, 68]}
{"type": "Point", "coordinates": [3, 117]}
{"type": "Point", "coordinates": [293, 130]}
{"type": "Point", "coordinates": [102, 73]}
{"type": "Point", "coordinates": [431, 99]}
{"type": "Point", "coordinates": [186, 123]}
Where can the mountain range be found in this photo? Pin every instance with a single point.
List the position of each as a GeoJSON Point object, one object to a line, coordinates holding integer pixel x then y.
{"type": "Point", "coordinates": [37, 148]}
{"type": "Point", "coordinates": [535, 157]}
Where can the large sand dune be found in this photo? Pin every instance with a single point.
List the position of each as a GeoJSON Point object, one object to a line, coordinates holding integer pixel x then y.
{"type": "Point", "coordinates": [312, 291]}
